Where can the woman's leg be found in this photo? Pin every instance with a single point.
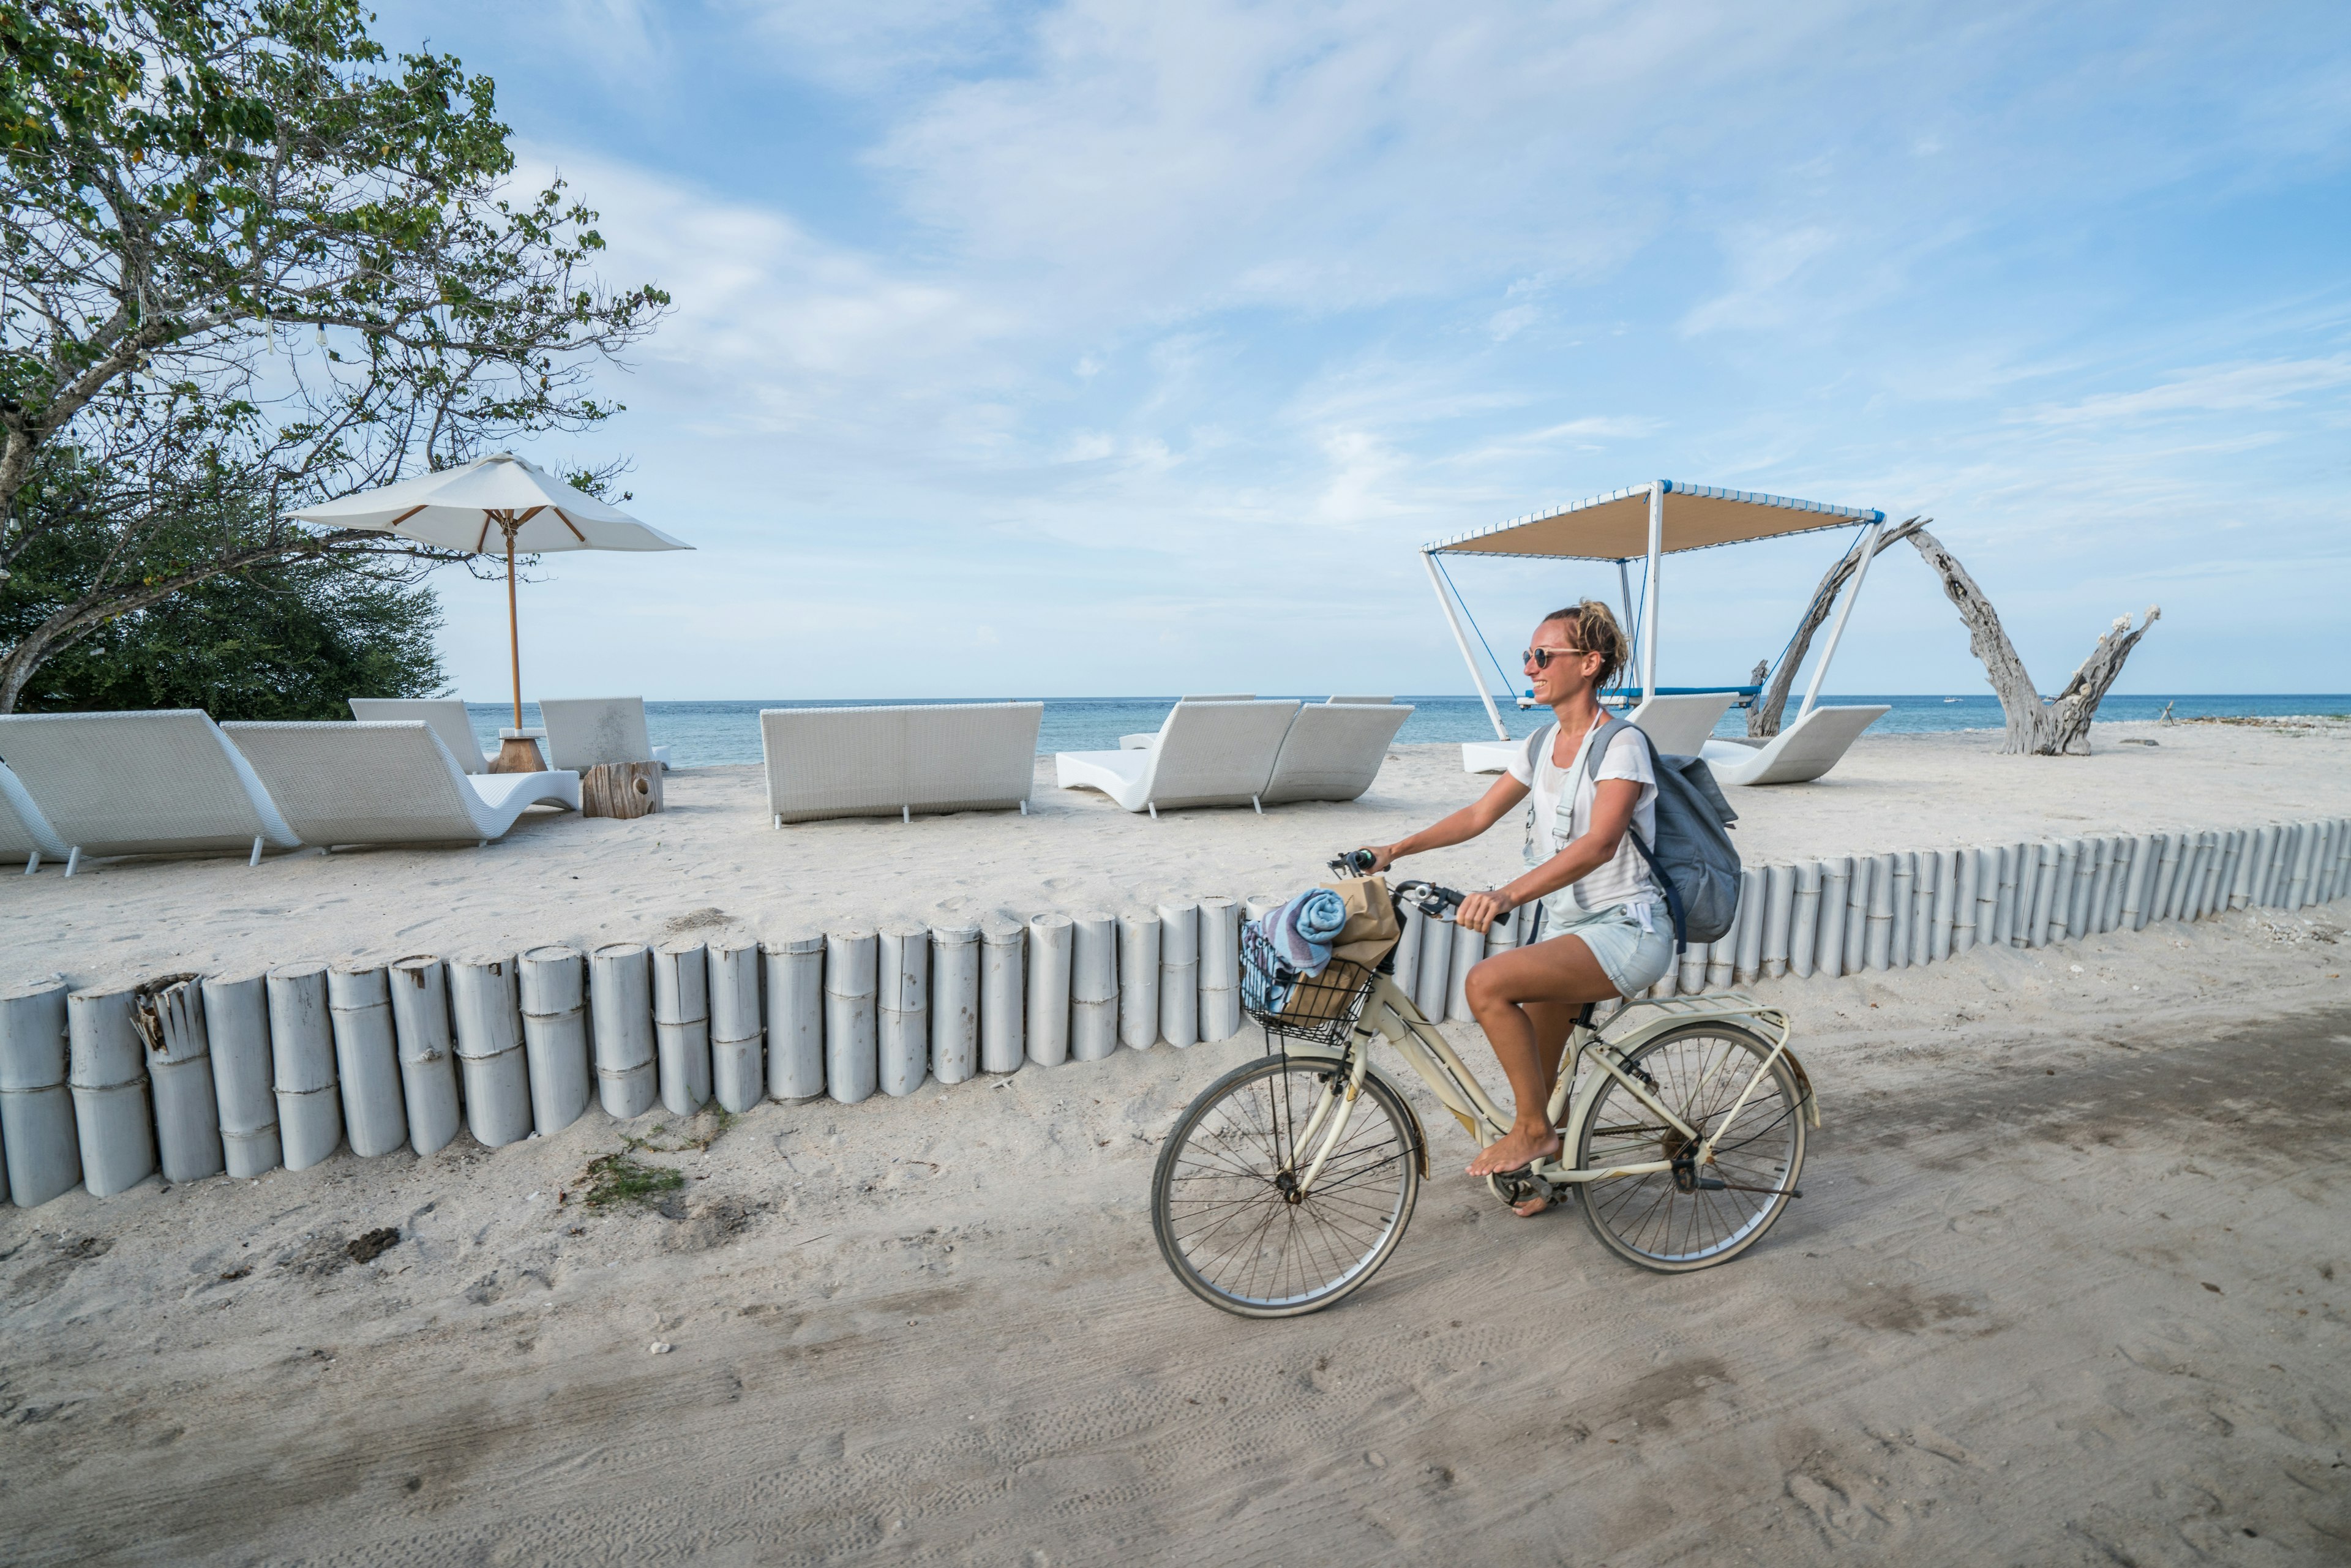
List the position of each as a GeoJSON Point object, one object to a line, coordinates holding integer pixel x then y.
{"type": "Point", "coordinates": [1514, 995]}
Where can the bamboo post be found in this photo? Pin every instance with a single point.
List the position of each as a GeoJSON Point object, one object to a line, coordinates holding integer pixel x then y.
{"type": "Point", "coordinates": [1877, 950]}
{"type": "Point", "coordinates": [2305, 851]}
{"type": "Point", "coordinates": [1002, 1045]}
{"type": "Point", "coordinates": [903, 985]}
{"type": "Point", "coordinates": [2045, 895]}
{"type": "Point", "coordinates": [682, 1023]}
{"type": "Point", "coordinates": [1689, 977]}
{"type": "Point", "coordinates": [554, 993]}
{"type": "Point", "coordinates": [2169, 849]}
{"type": "Point", "coordinates": [2102, 880]}
{"type": "Point", "coordinates": [302, 1064]}
{"type": "Point", "coordinates": [1926, 891]}
{"type": "Point", "coordinates": [2242, 877]}
{"type": "Point", "coordinates": [1468, 951]}
{"type": "Point", "coordinates": [169, 1015]}
{"type": "Point", "coordinates": [1433, 981]}
{"type": "Point", "coordinates": [740, 1067]}
{"type": "Point", "coordinates": [1944, 915]}
{"type": "Point", "coordinates": [621, 1015]}
{"type": "Point", "coordinates": [1407, 950]}
{"type": "Point", "coordinates": [1051, 941]}
{"type": "Point", "coordinates": [955, 1002]}
{"type": "Point", "coordinates": [2119, 849]}
{"type": "Point", "coordinates": [36, 1110]}
{"type": "Point", "coordinates": [1179, 974]}
{"type": "Point", "coordinates": [367, 1060]}
{"type": "Point", "coordinates": [1986, 862]}
{"type": "Point", "coordinates": [109, 1080]}
{"type": "Point", "coordinates": [796, 1014]}
{"type": "Point", "coordinates": [852, 1050]}
{"type": "Point", "coordinates": [486, 1019]}
{"type": "Point", "coordinates": [1503, 934]}
{"type": "Point", "coordinates": [2061, 891]}
{"type": "Point", "coordinates": [1093, 987]}
{"type": "Point", "coordinates": [237, 1023]}
{"type": "Point", "coordinates": [1804, 919]}
{"type": "Point", "coordinates": [428, 1068]}
{"type": "Point", "coordinates": [1960, 871]}
{"type": "Point", "coordinates": [1779, 908]}
{"type": "Point", "coordinates": [1866, 874]}
{"type": "Point", "coordinates": [1220, 968]}
{"type": "Point", "coordinates": [2006, 923]}
{"type": "Point", "coordinates": [1837, 898]}
{"type": "Point", "coordinates": [1138, 978]}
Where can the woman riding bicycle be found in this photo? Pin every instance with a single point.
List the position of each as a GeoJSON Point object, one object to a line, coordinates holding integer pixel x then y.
{"type": "Point", "coordinates": [1604, 932]}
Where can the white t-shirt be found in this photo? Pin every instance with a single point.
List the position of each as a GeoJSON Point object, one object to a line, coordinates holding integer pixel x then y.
{"type": "Point", "coordinates": [1624, 879]}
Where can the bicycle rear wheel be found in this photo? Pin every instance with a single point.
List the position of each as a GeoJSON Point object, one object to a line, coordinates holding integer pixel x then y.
{"type": "Point", "coordinates": [1224, 1200]}
{"type": "Point", "coordinates": [1675, 1221]}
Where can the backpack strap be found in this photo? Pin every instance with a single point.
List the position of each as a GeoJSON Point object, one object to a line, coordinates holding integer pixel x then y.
{"type": "Point", "coordinates": [1535, 743]}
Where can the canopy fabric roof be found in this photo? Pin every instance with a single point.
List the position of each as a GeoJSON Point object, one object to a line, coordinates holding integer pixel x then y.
{"type": "Point", "coordinates": [1615, 526]}
{"type": "Point", "coordinates": [461, 509]}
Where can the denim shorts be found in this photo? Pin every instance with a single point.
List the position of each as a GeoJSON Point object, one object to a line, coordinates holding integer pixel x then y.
{"type": "Point", "coordinates": [1632, 957]}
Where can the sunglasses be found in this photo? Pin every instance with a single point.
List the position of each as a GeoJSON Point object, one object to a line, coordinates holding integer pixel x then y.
{"type": "Point", "coordinates": [1542, 658]}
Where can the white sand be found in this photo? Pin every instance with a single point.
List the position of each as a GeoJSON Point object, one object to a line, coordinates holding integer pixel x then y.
{"type": "Point", "coordinates": [713, 860]}
{"type": "Point", "coordinates": [2070, 1283]}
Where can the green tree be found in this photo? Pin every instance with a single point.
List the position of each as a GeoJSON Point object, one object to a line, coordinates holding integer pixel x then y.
{"type": "Point", "coordinates": [242, 249]}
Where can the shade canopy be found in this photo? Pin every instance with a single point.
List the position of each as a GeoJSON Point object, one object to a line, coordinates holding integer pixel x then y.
{"type": "Point", "coordinates": [466, 509]}
{"type": "Point", "coordinates": [1615, 526]}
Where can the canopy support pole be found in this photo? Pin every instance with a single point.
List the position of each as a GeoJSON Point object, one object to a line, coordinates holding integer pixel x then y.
{"type": "Point", "coordinates": [1462, 640]}
{"type": "Point", "coordinates": [1625, 591]}
{"type": "Point", "coordinates": [1649, 610]}
{"type": "Point", "coordinates": [513, 625]}
{"type": "Point", "coordinates": [1845, 611]}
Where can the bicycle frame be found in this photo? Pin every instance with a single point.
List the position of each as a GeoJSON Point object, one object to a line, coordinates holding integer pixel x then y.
{"type": "Point", "coordinates": [1390, 1015]}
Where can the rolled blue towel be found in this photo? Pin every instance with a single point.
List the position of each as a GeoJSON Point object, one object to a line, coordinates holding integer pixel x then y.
{"type": "Point", "coordinates": [1287, 942]}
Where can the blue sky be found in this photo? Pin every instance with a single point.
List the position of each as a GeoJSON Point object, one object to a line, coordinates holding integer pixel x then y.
{"type": "Point", "coordinates": [1115, 348]}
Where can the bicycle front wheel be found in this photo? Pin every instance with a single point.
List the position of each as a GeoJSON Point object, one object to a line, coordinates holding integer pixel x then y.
{"type": "Point", "coordinates": [1224, 1198]}
{"type": "Point", "coordinates": [1698, 1216]}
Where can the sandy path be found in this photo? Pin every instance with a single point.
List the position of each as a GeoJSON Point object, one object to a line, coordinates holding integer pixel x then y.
{"type": "Point", "coordinates": [2068, 1285]}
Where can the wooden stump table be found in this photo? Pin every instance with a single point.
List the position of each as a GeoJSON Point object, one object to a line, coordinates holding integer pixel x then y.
{"type": "Point", "coordinates": [620, 789]}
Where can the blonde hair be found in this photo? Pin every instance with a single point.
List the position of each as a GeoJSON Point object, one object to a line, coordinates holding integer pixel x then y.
{"type": "Point", "coordinates": [1596, 632]}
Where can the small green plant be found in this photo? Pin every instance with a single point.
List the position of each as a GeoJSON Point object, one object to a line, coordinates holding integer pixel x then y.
{"type": "Point", "coordinates": [623, 1178]}
{"type": "Point", "coordinates": [720, 1118]}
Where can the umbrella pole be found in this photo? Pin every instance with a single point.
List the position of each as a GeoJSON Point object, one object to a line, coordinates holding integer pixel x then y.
{"type": "Point", "coordinates": [514, 632]}
{"type": "Point", "coordinates": [518, 753]}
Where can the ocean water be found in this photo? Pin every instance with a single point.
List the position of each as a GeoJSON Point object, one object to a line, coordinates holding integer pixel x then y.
{"type": "Point", "coordinates": [701, 734]}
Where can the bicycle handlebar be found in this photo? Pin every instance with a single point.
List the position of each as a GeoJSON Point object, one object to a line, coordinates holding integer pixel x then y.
{"type": "Point", "coordinates": [1428, 896]}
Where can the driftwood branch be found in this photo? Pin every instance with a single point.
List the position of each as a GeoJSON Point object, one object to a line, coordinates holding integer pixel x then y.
{"type": "Point", "coordinates": [2034, 727]}
{"type": "Point", "coordinates": [1763, 718]}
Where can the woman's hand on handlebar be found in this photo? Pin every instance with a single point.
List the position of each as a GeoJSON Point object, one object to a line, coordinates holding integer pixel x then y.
{"type": "Point", "coordinates": [1480, 909]}
{"type": "Point", "coordinates": [1383, 856]}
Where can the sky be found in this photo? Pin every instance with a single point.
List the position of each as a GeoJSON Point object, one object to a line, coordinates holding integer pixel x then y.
{"type": "Point", "coordinates": [1113, 347]}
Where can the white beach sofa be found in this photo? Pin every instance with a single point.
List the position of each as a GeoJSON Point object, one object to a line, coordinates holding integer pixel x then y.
{"type": "Point", "coordinates": [1334, 749]}
{"type": "Point", "coordinates": [166, 782]}
{"type": "Point", "coordinates": [1679, 726]}
{"type": "Point", "coordinates": [933, 757]}
{"type": "Point", "coordinates": [23, 830]}
{"type": "Point", "coordinates": [380, 783]}
{"type": "Point", "coordinates": [1207, 754]}
{"type": "Point", "coordinates": [1143, 742]}
{"type": "Point", "coordinates": [446, 716]}
{"type": "Point", "coordinates": [583, 732]}
{"type": "Point", "coordinates": [1798, 754]}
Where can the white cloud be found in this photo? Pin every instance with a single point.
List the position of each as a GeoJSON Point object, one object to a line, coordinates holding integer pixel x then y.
{"type": "Point", "coordinates": [2212, 389]}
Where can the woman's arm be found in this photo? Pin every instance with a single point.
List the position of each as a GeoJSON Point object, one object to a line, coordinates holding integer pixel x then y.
{"type": "Point", "coordinates": [1613, 800]}
{"type": "Point", "coordinates": [1458, 829]}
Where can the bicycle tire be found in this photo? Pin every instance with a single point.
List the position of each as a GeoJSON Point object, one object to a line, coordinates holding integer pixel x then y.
{"type": "Point", "coordinates": [1231, 1235]}
{"type": "Point", "coordinates": [1649, 1219]}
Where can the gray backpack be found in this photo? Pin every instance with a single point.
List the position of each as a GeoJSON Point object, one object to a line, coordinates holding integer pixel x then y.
{"type": "Point", "coordinates": [1693, 858]}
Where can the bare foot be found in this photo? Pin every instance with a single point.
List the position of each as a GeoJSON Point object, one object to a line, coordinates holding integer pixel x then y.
{"type": "Point", "coordinates": [1528, 1207]}
{"type": "Point", "coordinates": [1514, 1149]}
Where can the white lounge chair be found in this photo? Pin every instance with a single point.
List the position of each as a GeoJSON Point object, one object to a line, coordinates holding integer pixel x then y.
{"type": "Point", "coordinates": [389, 784]}
{"type": "Point", "coordinates": [1798, 754]}
{"type": "Point", "coordinates": [1333, 749]}
{"type": "Point", "coordinates": [161, 783]}
{"type": "Point", "coordinates": [23, 830]}
{"type": "Point", "coordinates": [582, 732]}
{"type": "Point", "coordinates": [1207, 754]}
{"type": "Point", "coordinates": [932, 758]}
{"type": "Point", "coordinates": [1678, 725]}
{"type": "Point", "coordinates": [1143, 742]}
{"type": "Point", "coordinates": [446, 716]}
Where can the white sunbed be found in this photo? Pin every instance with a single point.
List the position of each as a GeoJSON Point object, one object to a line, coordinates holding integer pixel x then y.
{"type": "Point", "coordinates": [1143, 742]}
{"type": "Point", "coordinates": [23, 830]}
{"type": "Point", "coordinates": [160, 783]}
{"type": "Point", "coordinates": [583, 732]}
{"type": "Point", "coordinates": [389, 784]}
{"type": "Point", "coordinates": [1798, 754]}
{"type": "Point", "coordinates": [933, 757]}
{"type": "Point", "coordinates": [1334, 749]}
{"type": "Point", "coordinates": [1207, 754]}
{"type": "Point", "coordinates": [1678, 725]}
{"type": "Point", "coordinates": [446, 716]}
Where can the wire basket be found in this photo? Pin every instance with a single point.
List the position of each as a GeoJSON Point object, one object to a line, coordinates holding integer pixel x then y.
{"type": "Point", "coordinates": [1320, 1009]}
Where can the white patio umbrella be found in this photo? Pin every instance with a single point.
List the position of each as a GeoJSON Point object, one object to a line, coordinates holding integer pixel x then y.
{"type": "Point", "coordinates": [500, 496]}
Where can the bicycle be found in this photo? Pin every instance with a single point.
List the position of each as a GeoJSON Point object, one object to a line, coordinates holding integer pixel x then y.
{"type": "Point", "coordinates": [1287, 1183]}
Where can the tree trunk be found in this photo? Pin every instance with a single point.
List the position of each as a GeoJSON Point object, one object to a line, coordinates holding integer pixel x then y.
{"type": "Point", "coordinates": [1763, 718]}
{"type": "Point", "coordinates": [2034, 727]}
